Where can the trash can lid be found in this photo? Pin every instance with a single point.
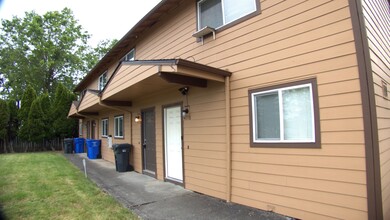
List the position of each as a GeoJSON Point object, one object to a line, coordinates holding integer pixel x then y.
{"type": "Point", "coordinates": [120, 147]}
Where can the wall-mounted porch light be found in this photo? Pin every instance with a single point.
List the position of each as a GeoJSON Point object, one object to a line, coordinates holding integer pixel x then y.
{"type": "Point", "coordinates": [138, 119]}
{"type": "Point", "coordinates": [186, 109]}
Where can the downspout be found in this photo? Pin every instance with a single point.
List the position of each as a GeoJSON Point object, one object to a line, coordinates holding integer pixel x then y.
{"type": "Point", "coordinates": [228, 140]}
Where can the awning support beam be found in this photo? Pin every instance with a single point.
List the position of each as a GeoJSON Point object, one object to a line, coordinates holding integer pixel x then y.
{"type": "Point", "coordinates": [117, 103]}
{"type": "Point", "coordinates": [183, 80]}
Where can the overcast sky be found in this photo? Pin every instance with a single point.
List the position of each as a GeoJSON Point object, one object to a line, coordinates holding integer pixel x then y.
{"type": "Point", "coordinates": [103, 19]}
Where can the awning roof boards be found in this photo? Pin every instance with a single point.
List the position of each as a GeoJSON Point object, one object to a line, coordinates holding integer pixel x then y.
{"type": "Point", "coordinates": [73, 109]}
{"type": "Point", "coordinates": [128, 41]}
{"type": "Point", "coordinates": [133, 79]}
{"type": "Point", "coordinates": [89, 103]}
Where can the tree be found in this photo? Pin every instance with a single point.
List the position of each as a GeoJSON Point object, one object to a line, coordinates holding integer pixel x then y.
{"type": "Point", "coordinates": [42, 51]}
{"type": "Point", "coordinates": [4, 118]}
{"type": "Point", "coordinates": [13, 123]}
{"type": "Point", "coordinates": [97, 53]}
{"type": "Point", "coordinates": [28, 98]}
{"type": "Point", "coordinates": [36, 121]}
{"type": "Point", "coordinates": [47, 118]}
{"type": "Point", "coordinates": [63, 126]}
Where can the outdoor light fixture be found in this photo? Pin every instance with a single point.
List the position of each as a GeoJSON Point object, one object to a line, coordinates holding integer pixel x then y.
{"type": "Point", "coordinates": [138, 119]}
{"type": "Point", "coordinates": [184, 90]}
{"type": "Point", "coordinates": [186, 110]}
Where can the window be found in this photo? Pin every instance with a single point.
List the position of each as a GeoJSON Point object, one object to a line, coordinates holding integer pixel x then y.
{"type": "Point", "coordinates": [217, 13]}
{"type": "Point", "coordinates": [130, 56]}
{"type": "Point", "coordinates": [118, 126]}
{"type": "Point", "coordinates": [105, 127]}
{"type": "Point", "coordinates": [80, 128]}
{"type": "Point", "coordinates": [88, 129]}
{"type": "Point", "coordinates": [284, 115]}
{"type": "Point", "coordinates": [102, 81]}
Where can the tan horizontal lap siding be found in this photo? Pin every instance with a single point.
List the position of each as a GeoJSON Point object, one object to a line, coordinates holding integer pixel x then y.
{"type": "Point", "coordinates": [107, 153]}
{"type": "Point", "coordinates": [200, 149]}
{"type": "Point", "coordinates": [72, 110]}
{"type": "Point", "coordinates": [287, 42]}
{"type": "Point", "coordinates": [204, 138]}
{"type": "Point", "coordinates": [126, 76]}
{"type": "Point", "coordinates": [290, 41]}
{"type": "Point", "coordinates": [88, 100]}
{"type": "Point", "coordinates": [377, 20]}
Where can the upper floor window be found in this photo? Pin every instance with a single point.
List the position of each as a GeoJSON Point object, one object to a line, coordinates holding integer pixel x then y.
{"type": "Point", "coordinates": [285, 115]}
{"type": "Point", "coordinates": [130, 56]}
{"type": "Point", "coordinates": [102, 81]}
{"type": "Point", "coordinates": [217, 13]}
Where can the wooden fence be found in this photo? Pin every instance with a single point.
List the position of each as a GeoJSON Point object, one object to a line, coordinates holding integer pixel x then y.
{"type": "Point", "coordinates": [19, 146]}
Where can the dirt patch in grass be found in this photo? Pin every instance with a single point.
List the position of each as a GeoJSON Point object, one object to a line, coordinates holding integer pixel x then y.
{"type": "Point", "coordinates": [47, 186]}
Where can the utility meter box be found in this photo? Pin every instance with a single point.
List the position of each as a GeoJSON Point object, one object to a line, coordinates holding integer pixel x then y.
{"type": "Point", "coordinates": [109, 141]}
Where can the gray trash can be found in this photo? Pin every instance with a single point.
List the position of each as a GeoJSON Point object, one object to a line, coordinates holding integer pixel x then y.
{"type": "Point", "coordinates": [68, 145]}
{"type": "Point", "coordinates": [122, 155]}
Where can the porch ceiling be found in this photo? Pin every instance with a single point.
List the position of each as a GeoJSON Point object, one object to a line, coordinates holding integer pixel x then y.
{"type": "Point", "coordinates": [138, 78]}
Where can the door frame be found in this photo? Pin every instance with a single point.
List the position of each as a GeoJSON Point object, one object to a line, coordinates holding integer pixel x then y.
{"type": "Point", "coordinates": [93, 129]}
{"type": "Point", "coordinates": [142, 139]}
{"type": "Point", "coordinates": [180, 104]}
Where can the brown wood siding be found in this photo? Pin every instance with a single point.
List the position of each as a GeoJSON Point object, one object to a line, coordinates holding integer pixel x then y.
{"type": "Point", "coordinates": [377, 21]}
{"type": "Point", "coordinates": [289, 41]}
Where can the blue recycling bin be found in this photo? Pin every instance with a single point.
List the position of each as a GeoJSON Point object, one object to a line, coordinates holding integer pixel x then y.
{"type": "Point", "coordinates": [79, 145]}
{"type": "Point", "coordinates": [93, 149]}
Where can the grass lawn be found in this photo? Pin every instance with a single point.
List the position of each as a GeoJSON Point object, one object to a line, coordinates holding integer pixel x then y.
{"type": "Point", "coordinates": [47, 186]}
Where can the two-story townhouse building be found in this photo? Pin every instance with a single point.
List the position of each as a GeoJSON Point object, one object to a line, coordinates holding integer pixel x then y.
{"type": "Point", "coordinates": [274, 104]}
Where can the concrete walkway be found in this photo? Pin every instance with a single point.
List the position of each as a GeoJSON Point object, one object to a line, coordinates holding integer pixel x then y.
{"type": "Point", "coordinates": [153, 199]}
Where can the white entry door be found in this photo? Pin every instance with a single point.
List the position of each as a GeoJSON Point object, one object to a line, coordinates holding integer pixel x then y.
{"type": "Point", "coordinates": [173, 144]}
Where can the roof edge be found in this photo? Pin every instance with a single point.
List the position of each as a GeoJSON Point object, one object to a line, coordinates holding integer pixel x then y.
{"type": "Point", "coordinates": [128, 35]}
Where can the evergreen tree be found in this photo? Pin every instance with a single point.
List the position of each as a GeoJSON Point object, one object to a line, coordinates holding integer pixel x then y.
{"type": "Point", "coordinates": [62, 125]}
{"type": "Point", "coordinates": [4, 118]}
{"type": "Point", "coordinates": [13, 124]}
{"type": "Point", "coordinates": [47, 115]}
{"type": "Point", "coordinates": [36, 122]}
{"type": "Point", "coordinates": [28, 97]}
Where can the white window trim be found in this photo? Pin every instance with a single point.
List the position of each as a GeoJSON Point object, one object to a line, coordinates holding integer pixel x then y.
{"type": "Point", "coordinates": [223, 14]}
{"type": "Point", "coordinates": [100, 88]}
{"type": "Point", "coordinates": [80, 129]}
{"type": "Point", "coordinates": [279, 90]}
{"type": "Point", "coordinates": [131, 51]}
{"type": "Point", "coordinates": [116, 126]}
{"type": "Point", "coordinates": [105, 121]}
